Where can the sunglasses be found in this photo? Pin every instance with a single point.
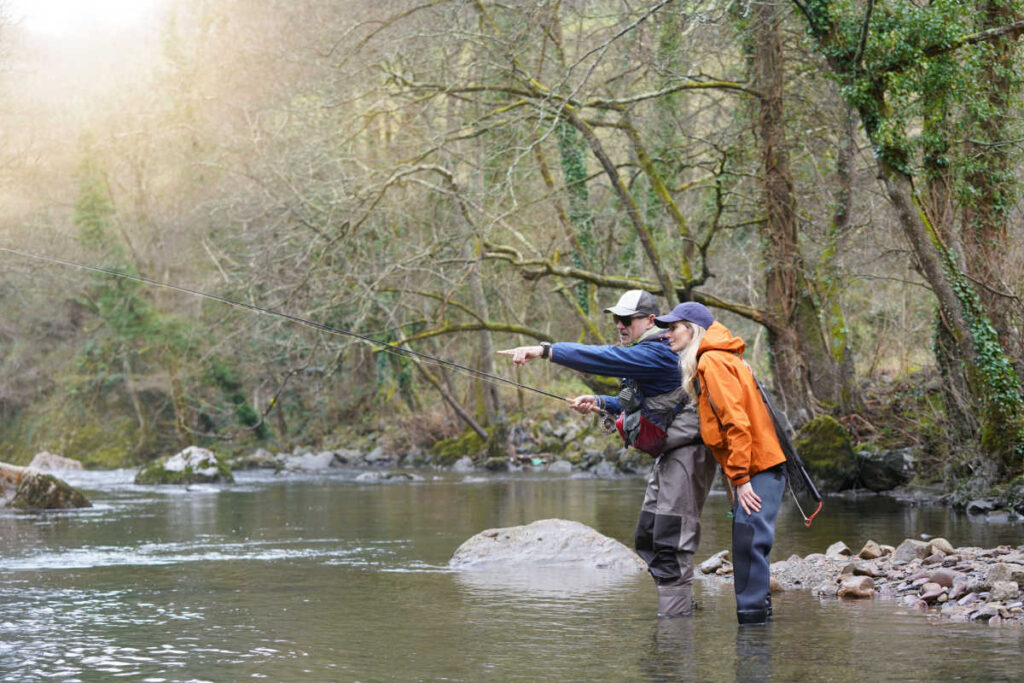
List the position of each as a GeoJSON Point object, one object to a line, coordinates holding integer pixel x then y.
{"type": "Point", "coordinates": [627, 320]}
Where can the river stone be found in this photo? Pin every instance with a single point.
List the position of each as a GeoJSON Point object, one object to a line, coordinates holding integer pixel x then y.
{"type": "Point", "coordinates": [866, 569]}
{"type": "Point", "coordinates": [837, 551]}
{"type": "Point", "coordinates": [711, 565]}
{"type": "Point", "coordinates": [931, 591]}
{"type": "Point", "coordinates": [1005, 571]}
{"type": "Point", "coordinates": [943, 577]}
{"type": "Point", "coordinates": [560, 467]}
{"type": "Point", "coordinates": [463, 465]}
{"type": "Point", "coordinates": [48, 462]}
{"type": "Point", "coordinates": [27, 489]}
{"type": "Point", "coordinates": [857, 587]}
{"type": "Point", "coordinates": [1004, 590]}
{"type": "Point", "coordinates": [548, 542]}
{"type": "Point", "coordinates": [958, 590]}
{"type": "Point", "coordinates": [826, 589]}
{"type": "Point", "coordinates": [981, 506]}
{"type": "Point", "coordinates": [884, 470]}
{"type": "Point", "coordinates": [310, 462]}
{"type": "Point", "coordinates": [985, 613]}
{"type": "Point", "coordinates": [910, 549]}
{"type": "Point", "coordinates": [941, 545]}
{"type": "Point", "coordinates": [606, 470]}
{"type": "Point", "coordinates": [193, 465]}
{"type": "Point", "coordinates": [259, 459]}
{"type": "Point", "coordinates": [870, 551]}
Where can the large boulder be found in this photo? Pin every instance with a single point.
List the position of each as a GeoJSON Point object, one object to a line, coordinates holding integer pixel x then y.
{"type": "Point", "coordinates": [885, 470]}
{"type": "Point", "coordinates": [27, 489]}
{"type": "Point", "coordinates": [48, 462]}
{"type": "Point", "coordinates": [548, 542]}
{"type": "Point", "coordinates": [193, 465]}
{"type": "Point", "coordinates": [827, 452]}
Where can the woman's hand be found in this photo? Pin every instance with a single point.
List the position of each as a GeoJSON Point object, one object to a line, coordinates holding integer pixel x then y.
{"type": "Point", "coordinates": [585, 404]}
{"type": "Point", "coordinates": [521, 355]}
{"type": "Point", "coordinates": [749, 501]}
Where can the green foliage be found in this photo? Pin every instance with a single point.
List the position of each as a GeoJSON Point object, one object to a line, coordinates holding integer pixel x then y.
{"type": "Point", "coordinates": [574, 172]}
{"type": "Point", "coordinates": [447, 451]}
{"type": "Point", "coordinates": [224, 376]}
{"type": "Point", "coordinates": [993, 376]}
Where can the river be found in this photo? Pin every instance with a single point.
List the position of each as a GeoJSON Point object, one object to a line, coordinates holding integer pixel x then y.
{"type": "Point", "coordinates": [322, 578]}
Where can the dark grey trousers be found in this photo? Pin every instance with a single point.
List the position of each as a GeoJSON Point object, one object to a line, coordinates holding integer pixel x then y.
{"type": "Point", "coordinates": [752, 539]}
{"type": "Point", "coordinates": [668, 532]}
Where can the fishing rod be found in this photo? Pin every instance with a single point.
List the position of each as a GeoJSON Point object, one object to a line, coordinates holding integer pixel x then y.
{"type": "Point", "coordinates": [391, 348]}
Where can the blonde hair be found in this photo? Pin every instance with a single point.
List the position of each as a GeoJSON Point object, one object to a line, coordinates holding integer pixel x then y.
{"type": "Point", "coordinates": [688, 358]}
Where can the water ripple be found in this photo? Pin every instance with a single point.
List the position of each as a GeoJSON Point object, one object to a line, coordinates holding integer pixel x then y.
{"type": "Point", "coordinates": [331, 551]}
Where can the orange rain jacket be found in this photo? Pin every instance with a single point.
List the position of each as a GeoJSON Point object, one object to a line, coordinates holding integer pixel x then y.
{"type": "Point", "coordinates": [734, 421]}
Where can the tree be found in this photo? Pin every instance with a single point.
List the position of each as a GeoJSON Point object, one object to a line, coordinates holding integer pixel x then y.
{"type": "Point", "coordinates": [879, 54]}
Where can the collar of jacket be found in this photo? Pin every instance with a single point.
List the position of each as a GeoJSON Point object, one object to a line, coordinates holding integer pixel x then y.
{"type": "Point", "coordinates": [653, 334]}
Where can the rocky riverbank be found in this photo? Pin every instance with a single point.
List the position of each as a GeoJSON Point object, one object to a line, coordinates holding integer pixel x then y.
{"type": "Point", "coordinates": [964, 584]}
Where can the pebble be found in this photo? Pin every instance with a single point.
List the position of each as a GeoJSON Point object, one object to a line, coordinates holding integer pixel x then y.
{"type": "Point", "coordinates": [943, 577]}
{"type": "Point", "coordinates": [838, 550]}
{"type": "Point", "coordinates": [930, 592]}
{"type": "Point", "coordinates": [955, 584]}
{"type": "Point", "coordinates": [870, 551]}
{"type": "Point", "coordinates": [857, 587]}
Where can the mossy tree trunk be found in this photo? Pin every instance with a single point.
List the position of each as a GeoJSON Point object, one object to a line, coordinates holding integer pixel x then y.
{"type": "Point", "coordinates": [794, 333]}
{"type": "Point", "coordinates": [991, 186]}
{"type": "Point", "coordinates": [994, 389]}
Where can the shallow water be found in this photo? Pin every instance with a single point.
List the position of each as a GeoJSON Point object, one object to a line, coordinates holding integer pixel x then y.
{"type": "Point", "coordinates": [322, 578]}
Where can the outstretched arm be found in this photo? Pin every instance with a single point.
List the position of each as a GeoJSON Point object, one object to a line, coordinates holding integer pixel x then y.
{"type": "Point", "coordinates": [521, 355]}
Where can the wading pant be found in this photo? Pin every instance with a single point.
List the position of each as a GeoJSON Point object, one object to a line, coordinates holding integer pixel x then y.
{"type": "Point", "coordinates": [668, 532]}
{"type": "Point", "coordinates": [752, 538]}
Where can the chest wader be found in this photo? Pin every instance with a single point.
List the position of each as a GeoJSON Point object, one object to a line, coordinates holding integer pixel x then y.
{"type": "Point", "coordinates": [752, 539]}
{"type": "Point", "coordinates": [668, 530]}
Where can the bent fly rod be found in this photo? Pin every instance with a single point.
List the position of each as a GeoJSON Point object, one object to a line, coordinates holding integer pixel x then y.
{"type": "Point", "coordinates": [391, 348]}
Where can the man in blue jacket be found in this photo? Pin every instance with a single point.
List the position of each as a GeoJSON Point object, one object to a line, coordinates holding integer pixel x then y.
{"type": "Point", "coordinates": [668, 531]}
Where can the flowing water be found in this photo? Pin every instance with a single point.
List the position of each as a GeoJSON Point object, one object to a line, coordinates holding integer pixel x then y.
{"type": "Point", "coordinates": [324, 578]}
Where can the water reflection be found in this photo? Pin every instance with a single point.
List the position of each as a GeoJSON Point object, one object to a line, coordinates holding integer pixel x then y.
{"type": "Point", "coordinates": [754, 653]}
{"type": "Point", "coordinates": [329, 579]}
{"type": "Point", "coordinates": [562, 582]}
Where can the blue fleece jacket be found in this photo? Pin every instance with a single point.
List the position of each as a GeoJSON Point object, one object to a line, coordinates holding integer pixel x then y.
{"type": "Point", "coordinates": [651, 362]}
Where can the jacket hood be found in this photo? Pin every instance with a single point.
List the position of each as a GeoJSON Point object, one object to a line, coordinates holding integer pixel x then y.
{"type": "Point", "coordinates": [719, 338]}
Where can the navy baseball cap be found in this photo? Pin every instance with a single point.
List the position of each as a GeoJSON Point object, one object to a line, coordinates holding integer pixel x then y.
{"type": "Point", "coordinates": [690, 311]}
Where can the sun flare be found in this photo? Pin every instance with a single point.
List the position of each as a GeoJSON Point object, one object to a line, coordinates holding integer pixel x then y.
{"type": "Point", "coordinates": [69, 17]}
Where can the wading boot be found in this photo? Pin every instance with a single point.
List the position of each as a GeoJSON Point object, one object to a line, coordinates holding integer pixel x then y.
{"type": "Point", "coordinates": [752, 617]}
{"type": "Point", "coordinates": [676, 601]}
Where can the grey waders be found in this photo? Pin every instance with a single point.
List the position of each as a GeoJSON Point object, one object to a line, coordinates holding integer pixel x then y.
{"type": "Point", "coordinates": [668, 531]}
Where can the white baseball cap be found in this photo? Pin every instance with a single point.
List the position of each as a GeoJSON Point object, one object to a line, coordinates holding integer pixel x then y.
{"type": "Point", "coordinates": [633, 302]}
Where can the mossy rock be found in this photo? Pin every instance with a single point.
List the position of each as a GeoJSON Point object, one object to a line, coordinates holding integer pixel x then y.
{"type": "Point", "coordinates": [1014, 494]}
{"type": "Point", "coordinates": [39, 491]}
{"type": "Point", "coordinates": [573, 456]}
{"type": "Point", "coordinates": [632, 461]}
{"type": "Point", "coordinates": [827, 452]}
{"type": "Point", "coordinates": [192, 466]}
{"type": "Point", "coordinates": [447, 451]}
{"type": "Point", "coordinates": [496, 464]}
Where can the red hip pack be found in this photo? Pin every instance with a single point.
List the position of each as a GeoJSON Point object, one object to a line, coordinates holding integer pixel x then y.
{"type": "Point", "coordinates": [640, 433]}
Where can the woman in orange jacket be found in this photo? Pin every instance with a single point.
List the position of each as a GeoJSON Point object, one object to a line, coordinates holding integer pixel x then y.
{"type": "Point", "coordinates": [736, 426]}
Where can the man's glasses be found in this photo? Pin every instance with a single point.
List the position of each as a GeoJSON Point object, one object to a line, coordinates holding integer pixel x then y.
{"type": "Point", "coordinates": [627, 320]}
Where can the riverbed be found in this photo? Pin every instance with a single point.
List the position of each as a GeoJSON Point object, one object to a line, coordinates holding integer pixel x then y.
{"type": "Point", "coordinates": [320, 577]}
